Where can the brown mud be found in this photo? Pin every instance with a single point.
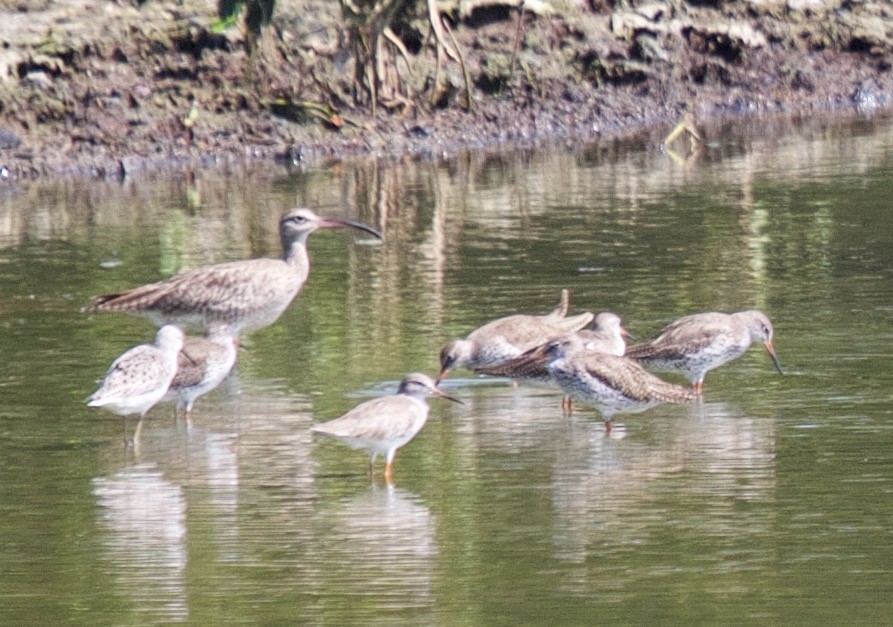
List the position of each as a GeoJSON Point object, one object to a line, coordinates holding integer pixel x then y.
{"type": "Point", "coordinates": [104, 88]}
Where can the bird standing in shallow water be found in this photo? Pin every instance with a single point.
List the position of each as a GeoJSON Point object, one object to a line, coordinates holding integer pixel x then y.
{"type": "Point", "coordinates": [605, 335]}
{"type": "Point", "coordinates": [609, 383]}
{"type": "Point", "coordinates": [694, 345]}
{"type": "Point", "coordinates": [500, 340]}
{"type": "Point", "coordinates": [140, 377]}
{"type": "Point", "coordinates": [245, 295]}
{"type": "Point", "coordinates": [203, 363]}
{"type": "Point", "coordinates": [382, 425]}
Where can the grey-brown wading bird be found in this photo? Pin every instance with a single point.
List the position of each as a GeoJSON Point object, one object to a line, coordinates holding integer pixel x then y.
{"type": "Point", "coordinates": [694, 345]}
{"type": "Point", "coordinates": [139, 378]}
{"type": "Point", "coordinates": [203, 364]}
{"type": "Point", "coordinates": [605, 335]}
{"type": "Point", "coordinates": [245, 295]}
{"type": "Point", "coordinates": [609, 383]}
{"type": "Point", "coordinates": [382, 425]}
{"type": "Point", "coordinates": [500, 340]}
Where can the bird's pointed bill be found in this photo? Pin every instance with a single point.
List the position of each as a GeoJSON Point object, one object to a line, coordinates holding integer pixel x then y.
{"type": "Point", "coordinates": [440, 394]}
{"type": "Point", "coordinates": [443, 373]}
{"type": "Point", "coordinates": [341, 222]}
{"type": "Point", "coordinates": [771, 350]}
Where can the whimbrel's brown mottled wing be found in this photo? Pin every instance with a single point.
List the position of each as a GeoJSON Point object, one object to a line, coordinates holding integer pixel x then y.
{"type": "Point", "coordinates": [231, 290]}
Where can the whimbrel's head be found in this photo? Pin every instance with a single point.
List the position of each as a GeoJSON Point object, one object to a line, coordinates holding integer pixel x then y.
{"type": "Point", "coordinates": [298, 223]}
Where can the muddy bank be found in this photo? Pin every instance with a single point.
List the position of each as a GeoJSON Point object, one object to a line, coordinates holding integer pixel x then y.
{"type": "Point", "coordinates": [108, 88]}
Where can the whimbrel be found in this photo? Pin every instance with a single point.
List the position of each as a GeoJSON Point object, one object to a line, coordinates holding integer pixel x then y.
{"type": "Point", "coordinates": [245, 295]}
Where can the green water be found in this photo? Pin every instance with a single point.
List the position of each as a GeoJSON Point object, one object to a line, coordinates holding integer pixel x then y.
{"type": "Point", "coordinates": [770, 502]}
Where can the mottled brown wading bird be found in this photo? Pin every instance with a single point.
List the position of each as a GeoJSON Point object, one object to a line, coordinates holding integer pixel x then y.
{"type": "Point", "coordinates": [203, 364]}
{"type": "Point", "coordinates": [140, 377]}
{"type": "Point", "coordinates": [382, 425]}
{"type": "Point", "coordinates": [500, 340]}
{"type": "Point", "coordinates": [696, 344]}
{"type": "Point", "coordinates": [609, 383]}
{"type": "Point", "coordinates": [245, 295]}
{"type": "Point", "coordinates": [604, 335]}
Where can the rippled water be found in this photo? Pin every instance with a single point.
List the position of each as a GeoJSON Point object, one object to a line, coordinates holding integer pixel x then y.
{"type": "Point", "coordinates": [771, 501]}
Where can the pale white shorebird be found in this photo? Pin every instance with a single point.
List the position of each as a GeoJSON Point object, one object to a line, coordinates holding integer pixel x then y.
{"type": "Point", "coordinates": [500, 340]}
{"type": "Point", "coordinates": [609, 383]}
{"type": "Point", "coordinates": [696, 344]}
{"type": "Point", "coordinates": [604, 335]}
{"type": "Point", "coordinates": [203, 364]}
{"type": "Point", "coordinates": [140, 377]}
{"type": "Point", "coordinates": [382, 425]}
{"type": "Point", "coordinates": [245, 295]}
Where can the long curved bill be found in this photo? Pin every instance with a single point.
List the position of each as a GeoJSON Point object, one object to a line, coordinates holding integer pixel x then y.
{"type": "Point", "coordinates": [339, 222]}
{"type": "Point", "coordinates": [440, 394]}
{"type": "Point", "coordinates": [771, 350]}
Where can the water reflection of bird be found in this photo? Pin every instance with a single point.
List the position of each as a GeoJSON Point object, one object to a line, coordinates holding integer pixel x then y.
{"type": "Point", "coordinates": [382, 425]}
{"type": "Point", "coordinates": [247, 294]}
{"type": "Point", "coordinates": [694, 345]}
{"type": "Point", "coordinates": [203, 363]}
{"type": "Point", "coordinates": [505, 338]}
{"type": "Point", "coordinates": [141, 537]}
{"type": "Point", "coordinates": [609, 383]}
{"type": "Point", "coordinates": [140, 377]}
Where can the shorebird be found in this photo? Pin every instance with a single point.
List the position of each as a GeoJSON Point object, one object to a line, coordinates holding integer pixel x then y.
{"type": "Point", "coordinates": [203, 363]}
{"type": "Point", "coordinates": [246, 295]}
{"type": "Point", "coordinates": [609, 383]}
{"type": "Point", "coordinates": [605, 335]}
{"type": "Point", "coordinates": [694, 345]}
{"type": "Point", "coordinates": [500, 340]}
{"type": "Point", "coordinates": [382, 425]}
{"type": "Point", "coordinates": [140, 377]}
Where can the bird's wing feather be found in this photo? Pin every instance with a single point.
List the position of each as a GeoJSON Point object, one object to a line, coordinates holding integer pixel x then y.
{"type": "Point", "coordinates": [192, 362]}
{"type": "Point", "coordinates": [632, 380]}
{"type": "Point", "coordinates": [377, 419]}
{"type": "Point", "coordinates": [139, 370]}
{"type": "Point", "coordinates": [236, 285]}
{"type": "Point", "coordinates": [682, 337]}
{"type": "Point", "coordinates": [526, 332]}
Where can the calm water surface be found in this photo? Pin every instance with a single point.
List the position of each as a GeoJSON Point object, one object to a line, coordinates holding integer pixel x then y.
{"type": "Point", "coordinates": [770, 502]}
